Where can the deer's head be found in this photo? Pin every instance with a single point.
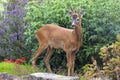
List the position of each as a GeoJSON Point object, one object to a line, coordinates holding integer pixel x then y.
{"type": "Point", "coordinates": [76, 16]}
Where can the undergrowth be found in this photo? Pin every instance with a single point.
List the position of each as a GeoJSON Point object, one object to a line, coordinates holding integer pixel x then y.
{"type": "Point", "coordinates": [16, 69]}
{"type": "Point", "coordinates": [110, 56]}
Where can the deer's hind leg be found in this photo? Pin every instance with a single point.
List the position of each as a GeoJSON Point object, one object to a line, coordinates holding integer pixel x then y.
{"type": "Point", "coordinates": [47, 58]}
{"type": "Point", "coordinates": [41, 48]}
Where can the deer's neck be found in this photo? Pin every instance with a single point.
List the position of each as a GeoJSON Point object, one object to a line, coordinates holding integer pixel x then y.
{"type": "Point", "coordinates": [78, 31]}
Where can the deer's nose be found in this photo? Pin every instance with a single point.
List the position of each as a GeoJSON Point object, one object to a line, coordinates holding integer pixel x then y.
{"type": "Point", "coordinates": [73, 23]}
{"type": "Point", "coordinates": [73, 26]}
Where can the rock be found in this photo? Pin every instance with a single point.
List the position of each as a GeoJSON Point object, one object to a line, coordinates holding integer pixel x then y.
{"type": "Point", "coordinates": [37, 76]}
{"type": "Point", "coordinates": [6, 76]}
{"type": "Point", "coordinates": [26, 77]}
{"type": "Point", "coordinates": [50, 76]}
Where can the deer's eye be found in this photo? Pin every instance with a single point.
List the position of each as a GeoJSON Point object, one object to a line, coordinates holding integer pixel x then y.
{"type": "Point", "coordinates": [77, 19]}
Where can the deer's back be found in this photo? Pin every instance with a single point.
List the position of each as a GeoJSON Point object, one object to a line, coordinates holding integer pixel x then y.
{"type": "Point", "coordinates": [54, 35]}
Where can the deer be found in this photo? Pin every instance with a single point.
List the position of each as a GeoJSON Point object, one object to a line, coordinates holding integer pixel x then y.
{"type": "Point", "coordinates": [53, 37]}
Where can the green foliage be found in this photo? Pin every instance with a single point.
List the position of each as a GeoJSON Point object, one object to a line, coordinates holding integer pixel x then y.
{"type": "Point", "coordinates": [118, 37]}
{"type": "Point", "coordinates": [111, 63]}
{"type": "Point", "coordinates": [82, 78]}
{"type": "Point", "coordinates": [6, 67]}
{"type": "Point", "coordinates": [100, 24]}
{"type": "Point", "coordinates": [89, 69]}
{"type": "Point", "coordinates": [111, 59]}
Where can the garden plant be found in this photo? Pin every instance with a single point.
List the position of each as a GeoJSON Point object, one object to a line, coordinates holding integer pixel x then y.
{"type": "Point", "coordinates": [100, 25]}
{"type": "Point", "coordinates": [20, 20]}
{"type": "Point", "coordinates": [110, 56]}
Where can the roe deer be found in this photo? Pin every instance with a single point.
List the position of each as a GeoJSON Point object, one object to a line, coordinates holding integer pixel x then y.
{"type": "Point", "coordinates": [55, 37]}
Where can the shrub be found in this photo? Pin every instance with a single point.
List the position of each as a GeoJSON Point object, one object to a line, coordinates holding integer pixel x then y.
{"type": "Point", "coordinates": [100, 25]}
{"type": "Point", "coordinates": [111, 63]}
{"type": "Point", "coordinates": [111, 60]}
{"type": "Point", "coordinates": [12, 29]}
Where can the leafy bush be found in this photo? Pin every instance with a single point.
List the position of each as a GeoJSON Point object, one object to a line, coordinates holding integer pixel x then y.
{"type": "Point", "coordinates": [111, 60]}
{"type": "Point", "coordinates": [111, 63]}
{"type": "Point", "coordinates": [100, 25]}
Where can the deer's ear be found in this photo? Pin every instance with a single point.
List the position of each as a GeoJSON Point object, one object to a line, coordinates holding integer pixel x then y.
{"type": "Point", "coordinates": [81, 12]}
{"type": "Point", "coordinates": [70, 11]}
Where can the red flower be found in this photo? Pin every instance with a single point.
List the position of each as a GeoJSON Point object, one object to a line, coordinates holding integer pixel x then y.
{"type": "Point", "coordinates": [23, 58]}
{"type": "Point", "coordinates": [18, 61]}
{"type": "Point", "coordinates": [10, 61]}
{"type": "Point", "coordinates": [6, 60]}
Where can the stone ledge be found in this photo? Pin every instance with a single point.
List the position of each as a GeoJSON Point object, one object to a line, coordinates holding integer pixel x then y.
{"type": "Point", "coordinates": [50, 76]}
{"type": "Point", "coordinates": [37, 76]}
{"type": "Point", "coordinates": [6, 76]}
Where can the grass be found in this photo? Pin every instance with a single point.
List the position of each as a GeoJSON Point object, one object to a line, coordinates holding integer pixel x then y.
{"type": "Point", "coordinates": [25, 69]}
{"type": "Point", "coordinates": [17, 69]}
{"type": "Point", "coordinates": [7, 67]}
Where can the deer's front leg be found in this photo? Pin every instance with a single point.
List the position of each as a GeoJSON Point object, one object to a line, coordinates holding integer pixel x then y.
{"type": "Point", "coordinates": [73, 63]}
{"type": "Point", "coordinates": [69, 64]}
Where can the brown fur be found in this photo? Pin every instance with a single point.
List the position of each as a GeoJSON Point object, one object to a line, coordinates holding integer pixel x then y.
{"type": "Point", "coordinates": [56, 37]}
